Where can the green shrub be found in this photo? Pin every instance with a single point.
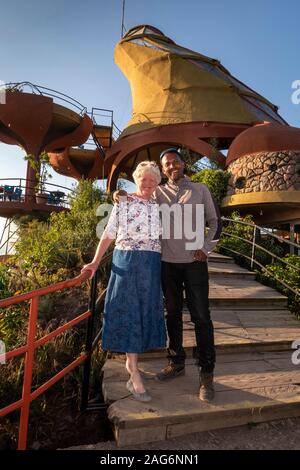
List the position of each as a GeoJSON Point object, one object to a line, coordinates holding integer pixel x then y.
{"type": "Point", "coordinates": [50, 251]}
{"type": "Point", "coordinates": [4, 282]}
{"type": "Point", "coordinates": [215, 180]}
{"type": "Point", "coordinates": [290, 276]}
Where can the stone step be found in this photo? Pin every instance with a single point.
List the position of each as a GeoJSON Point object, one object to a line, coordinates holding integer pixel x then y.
{"type": "Point", "coordinates": [250, 388]}
{"type": "Point", "coordinates": [243, 293]}
{"type": "Point", "coordinates": [229, 270]}
{"type": "Point", "coordinates": [218, 258]}
{"type": "Point", "coordinates": [238, 331]}
{"type": "Point", "coordinates": [270, 303]}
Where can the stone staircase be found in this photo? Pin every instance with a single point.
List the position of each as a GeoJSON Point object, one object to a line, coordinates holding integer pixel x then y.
{"type": "Point", "coordinates": [255, 379]}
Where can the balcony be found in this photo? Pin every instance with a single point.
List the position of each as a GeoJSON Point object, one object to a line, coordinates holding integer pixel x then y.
{"type": "Point", "coordinates": [14, 198]}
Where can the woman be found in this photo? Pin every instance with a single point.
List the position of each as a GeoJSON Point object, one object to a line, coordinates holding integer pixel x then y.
{"type": "Point", "coordinates": [133, 312]}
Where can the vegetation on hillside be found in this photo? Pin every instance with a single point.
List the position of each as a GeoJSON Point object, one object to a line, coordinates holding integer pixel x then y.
{"type": "Point", "coordinates": [48, 251]}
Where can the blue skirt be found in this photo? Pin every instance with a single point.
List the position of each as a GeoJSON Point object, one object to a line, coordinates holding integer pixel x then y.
{"type": "Point", "coordinates": [133, 319]}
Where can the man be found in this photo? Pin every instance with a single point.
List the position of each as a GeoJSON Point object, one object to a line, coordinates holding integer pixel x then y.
{"type": "Point", "coordinates": [186, 270]}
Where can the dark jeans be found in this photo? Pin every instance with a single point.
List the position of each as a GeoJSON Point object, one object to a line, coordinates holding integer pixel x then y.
{"type": "Point", "coordinates": [193, 278]}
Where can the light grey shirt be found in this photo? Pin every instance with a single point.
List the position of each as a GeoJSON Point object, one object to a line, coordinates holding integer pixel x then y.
{"type": "Point", "coordinates": [186, 192]}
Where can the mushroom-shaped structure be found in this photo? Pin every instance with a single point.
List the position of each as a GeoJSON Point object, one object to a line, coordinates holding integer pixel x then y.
{"type": "Point", "coordinates": [264, 162]}
{"type": "Point", "coordinates": [180, 97]}
{"type": "Point", "coordinates": [79, 163]}
{"type": "Point", "coordinates": [38, 123]}
{"type": "Point", "coordinates": [88, 162]}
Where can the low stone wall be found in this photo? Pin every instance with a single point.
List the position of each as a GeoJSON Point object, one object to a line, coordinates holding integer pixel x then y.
{"type": "Point", "coordinates": [272, 171]}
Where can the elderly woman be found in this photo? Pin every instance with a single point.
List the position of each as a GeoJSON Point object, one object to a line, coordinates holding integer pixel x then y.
{"type": "Point", "coordinates": [133, 312]}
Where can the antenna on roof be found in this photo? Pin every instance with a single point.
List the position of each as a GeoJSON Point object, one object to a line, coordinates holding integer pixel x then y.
{"type": "Point", "coordinates": [123, 29]}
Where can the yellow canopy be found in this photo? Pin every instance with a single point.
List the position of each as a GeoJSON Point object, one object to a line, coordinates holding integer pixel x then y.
{"type": "Point", "coordinates": [171, 84]}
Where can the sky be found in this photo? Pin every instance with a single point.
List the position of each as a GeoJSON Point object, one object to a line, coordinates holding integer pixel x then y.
{"type": "Point", "coordinates": [68, 45]}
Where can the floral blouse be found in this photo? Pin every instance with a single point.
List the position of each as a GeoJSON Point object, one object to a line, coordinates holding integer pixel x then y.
{"type": "Point", "coordinates": [135, 225]}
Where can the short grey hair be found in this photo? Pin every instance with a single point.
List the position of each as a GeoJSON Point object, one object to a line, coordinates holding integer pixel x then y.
{"type": "Point", "coordinates": [147, 167]}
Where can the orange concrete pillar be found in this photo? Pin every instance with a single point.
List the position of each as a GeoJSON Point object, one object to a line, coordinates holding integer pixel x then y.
{"type": "Point", "coordinates": [31, 183]}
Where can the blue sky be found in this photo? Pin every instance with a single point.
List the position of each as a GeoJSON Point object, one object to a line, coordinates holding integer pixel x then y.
{"type": "Point", "coordinates": [68, 45]}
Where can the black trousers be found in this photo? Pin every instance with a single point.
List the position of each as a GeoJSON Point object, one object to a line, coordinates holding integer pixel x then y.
{"type": "Point", "coordinates": [193, 278]}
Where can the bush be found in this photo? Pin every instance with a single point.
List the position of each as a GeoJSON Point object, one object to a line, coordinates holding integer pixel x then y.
{"type": "Point", "coordinates": [50, 251]}
{"type": "Point", "coordinates": [231, 242]}
{"type": "Point", "coordinates": [290, 276]}
{"type": "Point", "coordinates": [4, 282]}
{"type": "Point", "coordinates": [215, 180]}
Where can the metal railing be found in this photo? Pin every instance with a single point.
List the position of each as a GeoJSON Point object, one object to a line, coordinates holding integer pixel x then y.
{"type": "Point", "coordinates": [32, 344]}
{"type": "Point", "coordinates": [99, 116]}
{"type": "Point", "coordinates": [10, 235]}
{"type": "Point", "coordinates": [258, 229]}
{"type": "Point", "coordinates": [16, 192]}
{"type": "Point", "coordinates": [41, 90]}
{"type": "Point", "coordinates": [102, 117]}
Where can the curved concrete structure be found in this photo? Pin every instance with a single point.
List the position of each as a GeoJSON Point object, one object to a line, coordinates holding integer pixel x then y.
{"type": "Point", "coordinates": [264, 162]}
{"type": "Point", "coordinates": [79, 163]}
{"type": "Point", "coordinates": [263, 137]}
{"type": "Point", "coordinates": [267, 208]}
{"type": "Point", "coordinates": [36, 123]}
{"type": "Point", "coordinates": [126, 153]}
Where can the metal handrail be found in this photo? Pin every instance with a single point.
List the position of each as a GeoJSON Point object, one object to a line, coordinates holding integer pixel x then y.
{"type": "Point", "coordinates": [32, 181]}
{"type": "Point", "coordinates": [7, 240]}
{"type": "Point", "coordinates": [7, 224]}
{"type": "Point", "coordinates": [91, 342]}
{"type": "Point", "coordinates": [262, 267]}
{"type": "Point", "coordinates": [32, 344]}
{"type": "Point", "coordinates": [118, 131]}
{"type": "Point", "coordinates": [21, 198]}
{"type": "Point", "coordinates": [263, 249]}
{"type": "Point", "coordinates": [255, 245]}
{"type": "Point", "coordinates": [109, 114]}
{"type": "Point", "coordinates": [5, 227]}
{"type": "Point", "coordinates": [41, 90]}
{"type": "Point", "coordinates": [242, 222]}
{"type": "Point", "coordinates": [56, 94]}
{"type": "Point", "coordinates": [29, 349]}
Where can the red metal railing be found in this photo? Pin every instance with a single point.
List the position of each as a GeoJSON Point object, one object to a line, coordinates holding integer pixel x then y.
{"type": "Point", "coordinates": [32, 345]}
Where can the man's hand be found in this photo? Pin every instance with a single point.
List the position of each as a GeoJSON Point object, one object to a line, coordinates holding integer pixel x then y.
{"type": "Point", "coordinates": [117, 194]}
{"type": "Point", "coordinates": [199, 255]}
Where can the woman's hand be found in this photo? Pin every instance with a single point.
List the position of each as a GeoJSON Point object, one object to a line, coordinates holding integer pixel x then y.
{"type": "Point", "coordinates": [91, 267]}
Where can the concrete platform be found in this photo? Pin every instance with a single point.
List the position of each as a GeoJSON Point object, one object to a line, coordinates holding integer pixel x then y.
{"type": "Point", "coordinates": [251, 387]}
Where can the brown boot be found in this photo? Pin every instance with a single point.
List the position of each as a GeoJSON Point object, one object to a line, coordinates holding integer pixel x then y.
{"type": "Point", "coordinates": [206, 392]}
{"type": "Point", "coordinates": [171, 371]}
